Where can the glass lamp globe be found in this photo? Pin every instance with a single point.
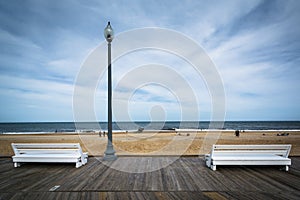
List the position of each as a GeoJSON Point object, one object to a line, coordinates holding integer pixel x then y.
{"type": "Point", "coordinates": [108, 33]}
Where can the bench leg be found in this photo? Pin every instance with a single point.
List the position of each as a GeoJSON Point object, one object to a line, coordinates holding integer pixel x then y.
{"type": "Point", "coordinates": [78, 164]}
{"type": "Point", "coordinates": [213, 167]}
{"type": "Point", "coordinates": [85, 161]}
{"type": "Point", "coordinates": [16, 164]}
{"type": "Point", "coordinates": [208, 162]}
{"type": "Point", "coordinates": [287, 168]}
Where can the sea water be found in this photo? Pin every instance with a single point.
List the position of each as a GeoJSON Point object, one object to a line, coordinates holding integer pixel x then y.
{"type": "Point", "coordinates": [46, 127]}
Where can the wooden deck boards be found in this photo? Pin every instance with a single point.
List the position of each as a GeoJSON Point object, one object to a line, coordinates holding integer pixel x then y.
{"type": "Point", "coordinates": [185, 178]}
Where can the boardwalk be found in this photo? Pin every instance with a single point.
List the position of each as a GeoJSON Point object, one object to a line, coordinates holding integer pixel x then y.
{"type": "Point", "coordinates": [132, 178]}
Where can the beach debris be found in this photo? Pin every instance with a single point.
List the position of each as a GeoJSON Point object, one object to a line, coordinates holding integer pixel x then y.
{"type": "Point", "coordinates": [168, 128]}
{"type": "Point", "coordinates": [282, 134]}
{"type": "Point", "coordinates": [54, 188]}
{"type": "Point", "coordinates": [183, 134]}
{"type": "Point", "coordinates": [90, 131]}
{"type": "Point", "coordinates": [140, 129]}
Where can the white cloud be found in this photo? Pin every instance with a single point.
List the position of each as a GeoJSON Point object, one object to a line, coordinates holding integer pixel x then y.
{"type": "Point", "coordinates": [258, 61]}
{"type": "Point", "coordinates": [39, 99]}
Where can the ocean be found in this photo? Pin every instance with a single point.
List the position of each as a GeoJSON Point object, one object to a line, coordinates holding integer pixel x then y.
{"type": "Point", "coordinates": [46, 127]}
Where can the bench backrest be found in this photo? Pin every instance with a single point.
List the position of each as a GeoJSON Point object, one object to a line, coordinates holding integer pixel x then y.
{"type": "Point", "coordinates": [280, 150]}
{"type": "Point", "coordinates": [47, 148]}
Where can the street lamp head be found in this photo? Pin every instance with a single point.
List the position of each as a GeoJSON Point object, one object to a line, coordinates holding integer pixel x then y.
{"type": "Point", "coordinates": [108, 33]}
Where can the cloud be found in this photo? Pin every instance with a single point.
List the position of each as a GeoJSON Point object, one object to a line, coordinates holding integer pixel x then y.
{"type": "Point", "coordinates": [37, 99]}
{"type": "Point", "coordinates": [254, 44]}
{"type": "Point", "coordinates": [255, 54]}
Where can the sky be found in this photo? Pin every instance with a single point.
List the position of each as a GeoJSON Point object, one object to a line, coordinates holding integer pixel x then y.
{"type": "Point", "coordinates": [254, 45]}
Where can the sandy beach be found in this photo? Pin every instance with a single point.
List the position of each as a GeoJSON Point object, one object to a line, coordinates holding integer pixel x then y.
{"type": "Point", "coordinates": [156, 144]}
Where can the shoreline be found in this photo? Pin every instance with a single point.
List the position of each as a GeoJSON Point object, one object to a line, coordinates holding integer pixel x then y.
{"type": "Point", "coordinates": [151, 131]}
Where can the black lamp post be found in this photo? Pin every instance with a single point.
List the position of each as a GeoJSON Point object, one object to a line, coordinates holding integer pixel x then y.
{"type": "Point", "coordinates": [110, 152]}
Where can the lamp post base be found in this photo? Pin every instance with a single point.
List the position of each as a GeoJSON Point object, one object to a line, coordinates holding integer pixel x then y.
{"type": "Point", "coordinates": [109, 154]}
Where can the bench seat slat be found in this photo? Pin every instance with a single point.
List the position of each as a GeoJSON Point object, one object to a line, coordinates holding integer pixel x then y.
{"type": "Point", "coordinates": [250, 156]}
{"type": "Point", "coordinates": [43, 145]}
{"type": "Point", "coordinates": [253, 162]}
{"type": "Point", "coordinates": [279, 146]}
{"type": "Point", "coordinates": [48, 160]}
{"type": "Point", "coordinates": [43, 151]}
{"type": "Point", "coordinates": [48, 155]}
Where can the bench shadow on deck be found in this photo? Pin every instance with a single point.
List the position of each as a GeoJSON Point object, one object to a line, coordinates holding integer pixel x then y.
{"type": "Point", "coordinates": [185, 178]}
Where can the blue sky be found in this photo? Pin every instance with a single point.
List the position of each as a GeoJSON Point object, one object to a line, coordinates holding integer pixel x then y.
{"type": "Point", "coordinates": [255, 46]}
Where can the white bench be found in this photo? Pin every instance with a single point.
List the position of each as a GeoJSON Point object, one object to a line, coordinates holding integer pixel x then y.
{"type": "Point", "coordinates": [49, 152]}
{"type": "Point", "coordinates": [248, 155]}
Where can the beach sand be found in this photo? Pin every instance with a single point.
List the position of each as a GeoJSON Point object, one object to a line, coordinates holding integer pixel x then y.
{"type": "Point", "coordinates": [155, 144]}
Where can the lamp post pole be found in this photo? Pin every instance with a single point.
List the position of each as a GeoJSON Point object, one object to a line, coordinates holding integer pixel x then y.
{"type": "Point", "coordinates": [110, 152]}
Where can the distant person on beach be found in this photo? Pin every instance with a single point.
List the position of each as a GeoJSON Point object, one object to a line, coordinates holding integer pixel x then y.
{"type": "Point", "coordinates": [237, 133]}
{"type": "Point", "coordinates": [100, 133]}
{"type": "Point", "coordinates": [103, 133]}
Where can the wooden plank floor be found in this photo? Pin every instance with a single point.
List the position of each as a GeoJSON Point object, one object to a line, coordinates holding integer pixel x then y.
{"type": "Point", "coordinates": [132, 178]}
